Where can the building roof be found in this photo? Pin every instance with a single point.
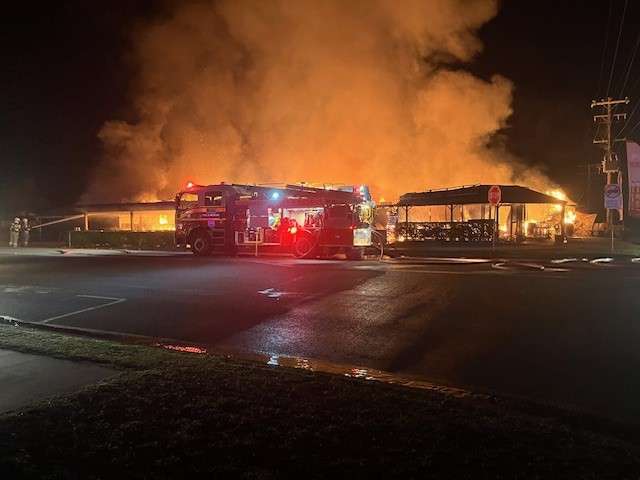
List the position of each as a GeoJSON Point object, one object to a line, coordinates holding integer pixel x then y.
{"type": "Point", "coordinates": [476, 195]}
{"type": "Point", "coordinates": [125, 207]}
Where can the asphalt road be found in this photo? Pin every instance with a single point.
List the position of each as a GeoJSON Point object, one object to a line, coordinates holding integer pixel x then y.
{"type": "Point", "coordinates": [563, 332]}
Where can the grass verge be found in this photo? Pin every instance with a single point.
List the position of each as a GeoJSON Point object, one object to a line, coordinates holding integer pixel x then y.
{"type": "Point", "coordinates": [173, 414]}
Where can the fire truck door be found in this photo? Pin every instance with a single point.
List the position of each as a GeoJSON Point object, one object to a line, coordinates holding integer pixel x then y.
{"type": "Point", "coordinates": [259, 216]}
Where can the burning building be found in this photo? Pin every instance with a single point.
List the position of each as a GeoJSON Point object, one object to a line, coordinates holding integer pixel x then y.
{"type": "Point", "coordinates": [465, 214]}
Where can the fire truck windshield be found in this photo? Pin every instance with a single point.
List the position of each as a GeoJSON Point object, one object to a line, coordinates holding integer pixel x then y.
{"type": "Point", "coordinates": [186, 201]}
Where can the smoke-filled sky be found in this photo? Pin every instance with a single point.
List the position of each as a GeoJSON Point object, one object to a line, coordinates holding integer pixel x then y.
{"type": "Point", "coordinates": [113, 101]}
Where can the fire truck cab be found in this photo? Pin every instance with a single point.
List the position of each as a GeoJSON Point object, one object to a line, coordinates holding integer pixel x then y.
{"type": "Point", "coordinates": [305, 221]}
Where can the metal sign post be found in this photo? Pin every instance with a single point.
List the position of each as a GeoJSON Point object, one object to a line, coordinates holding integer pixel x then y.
{"type": "Point", "coordinates": [496, 230]}
{"type": "Point", "coordinates": [495, 196]}
{"type": "Point", "coordinates": [612, 201]}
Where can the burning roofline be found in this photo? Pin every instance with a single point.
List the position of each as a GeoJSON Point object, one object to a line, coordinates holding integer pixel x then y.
{"type": "Point", "coordinates": [477, 195]}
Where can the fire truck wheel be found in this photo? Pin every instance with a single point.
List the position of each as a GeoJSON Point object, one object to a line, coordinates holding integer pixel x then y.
{"type": "Point", "coordinates": [201, 244]}
{"type": "Point", "coordinates": [303, 246]}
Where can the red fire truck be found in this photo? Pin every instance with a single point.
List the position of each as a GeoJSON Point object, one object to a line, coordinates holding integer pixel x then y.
{"type": "Point", "coordinates": [306, 221]}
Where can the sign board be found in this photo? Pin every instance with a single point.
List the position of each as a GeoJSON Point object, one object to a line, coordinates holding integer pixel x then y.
{"type": "Point", "coordinates": [633, 174]}
{"type": "Point", "coordinates": [495, 195]}
{"type": "Point", "coordinates": [612, 196]}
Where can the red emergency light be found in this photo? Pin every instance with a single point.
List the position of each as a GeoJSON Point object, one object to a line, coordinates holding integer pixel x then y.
{"type": "Point", "coordinates": [293, 227]}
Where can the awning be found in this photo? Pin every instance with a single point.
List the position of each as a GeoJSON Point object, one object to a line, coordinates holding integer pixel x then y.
{"type": "Point", "coordinates": [476, 195]}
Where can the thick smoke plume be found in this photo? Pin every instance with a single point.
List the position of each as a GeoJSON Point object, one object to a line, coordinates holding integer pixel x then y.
{"type": "Point", "coordinates": [321, 91]}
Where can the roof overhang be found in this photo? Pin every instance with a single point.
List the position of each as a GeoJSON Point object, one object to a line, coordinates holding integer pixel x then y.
{"type": "Point", "coordinates": [477, 195]}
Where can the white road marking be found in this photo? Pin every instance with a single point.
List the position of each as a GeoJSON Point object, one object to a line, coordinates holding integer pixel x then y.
{"type": "Point", "coordinates": [602, 260]}
{"type": "Point", "coordinates": [113, 302]}
{"type": "Point", "coordinates": [271, 293]}
{"type": "Point", "coordinates": [9, 319]}
{"type": "Point", "coordinates": [565, 260]}
{"type": "Point", "coordinates": [25, 288]}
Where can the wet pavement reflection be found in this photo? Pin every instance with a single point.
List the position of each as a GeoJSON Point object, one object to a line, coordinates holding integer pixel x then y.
{"type": "Point", "coordinates": [333, 368]}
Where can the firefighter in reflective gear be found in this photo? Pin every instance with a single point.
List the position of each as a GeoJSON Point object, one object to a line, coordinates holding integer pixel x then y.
{"type": "Point", "coordinates": [14, 232]}
{"type": "Point", "coordinates": [24, 232]}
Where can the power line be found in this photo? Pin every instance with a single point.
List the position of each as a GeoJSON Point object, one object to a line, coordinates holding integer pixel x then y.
{"type": "Point", "coordinates": [604, 48]}
{"type": "Point", "coordinates": [630, 64]}
{"type": "Point", "coordinates": [591, 168]}
{"type": "Point", "coordinates": [615, 56]}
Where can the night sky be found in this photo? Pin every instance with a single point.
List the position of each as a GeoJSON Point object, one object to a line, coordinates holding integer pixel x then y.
{"type": "Point", "coordinates": [66, 69]}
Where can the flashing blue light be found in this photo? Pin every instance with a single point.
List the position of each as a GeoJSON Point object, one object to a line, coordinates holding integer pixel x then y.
{"type": "Point", "coordinates": [364, 192]}
{"type": "Point", "coordinates": [275, 195]}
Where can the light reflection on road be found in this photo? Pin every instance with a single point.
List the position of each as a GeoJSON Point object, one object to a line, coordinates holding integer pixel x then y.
{"type": "Point", "coordinates": [333, 368]}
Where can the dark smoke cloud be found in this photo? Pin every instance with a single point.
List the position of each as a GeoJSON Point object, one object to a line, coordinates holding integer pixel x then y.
{"type": "Point", "coordinates": [332, 91]}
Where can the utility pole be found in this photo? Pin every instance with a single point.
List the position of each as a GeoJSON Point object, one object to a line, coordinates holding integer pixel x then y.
{"type": "Point", "coordinates": [610, 163]}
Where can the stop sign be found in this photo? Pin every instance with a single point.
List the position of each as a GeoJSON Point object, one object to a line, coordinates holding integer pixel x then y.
{"type": "Point", "coordinates": [495, 195]}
